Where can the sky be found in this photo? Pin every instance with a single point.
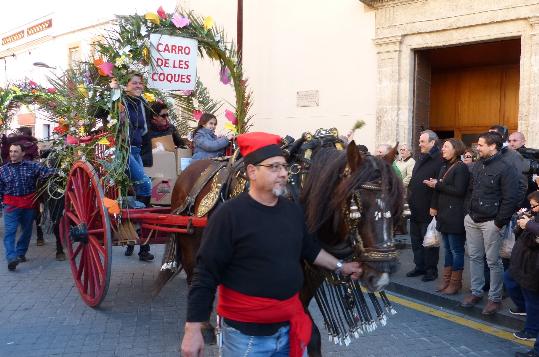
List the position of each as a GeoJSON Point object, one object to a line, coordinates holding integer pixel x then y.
{"type": "Point", "coordinates": [15, 13]}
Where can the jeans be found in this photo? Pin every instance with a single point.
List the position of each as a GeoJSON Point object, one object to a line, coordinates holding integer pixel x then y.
{"type": "Point", "coordinates": [484, 239]}
{"type": "Point", "coordinates": [142, 183]}
{"type": "Point", "coordinates": [454, 250]}
{"type": "Point", "coordinates": [236, 344]}
{"type": "Point", "coordinates": [13, 217]}
{"type": "Point", "coordinates": [525, 300]}
{"type": "Point", "coordinates": [424, 258]}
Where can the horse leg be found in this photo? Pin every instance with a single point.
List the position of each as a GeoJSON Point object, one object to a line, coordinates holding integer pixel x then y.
{"type": "Point", "coordinates": [60, 255]}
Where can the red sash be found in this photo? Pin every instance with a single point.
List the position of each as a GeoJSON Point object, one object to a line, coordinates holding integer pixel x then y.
{"type": "Point", "coordinates": [236, 306]}
{"type": "Point", "coordinates": [26, 201]}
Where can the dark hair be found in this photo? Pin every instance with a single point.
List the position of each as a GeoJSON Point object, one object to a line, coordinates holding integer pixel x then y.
{"type": "Point", "coordinates": [502, 130]}
{"type": "Point", "coordinates": [19, 144]}
{"type": "Point", "coordinates": [492, 138]}
{"type": "Point", "coordinates": [458, 145]}
{"type": "Point", "coordinates": [204, 119]}
{"type": "Point", "coordinates": [534, 196]}
{"type": "Point", "coordinates": [24, 130]}
{"type": "Point", "coordinates": [156, 108]}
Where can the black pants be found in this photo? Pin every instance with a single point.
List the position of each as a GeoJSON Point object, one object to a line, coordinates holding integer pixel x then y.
{"type": "Point", "coordinates": [424, 258]}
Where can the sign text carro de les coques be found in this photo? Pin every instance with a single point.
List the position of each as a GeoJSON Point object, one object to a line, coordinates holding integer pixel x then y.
{"type": "Point", "coordinates": [174, 62]}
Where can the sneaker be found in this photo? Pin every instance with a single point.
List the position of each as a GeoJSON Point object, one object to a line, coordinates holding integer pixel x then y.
{"type": "Point", "coordinates": [145, 256]}
{"type": "Point", "coordinates": [517, 311]}
{"type": "Point", "coordinates": [12, 265]}
{"type": "Point", "coordinates": [40, 242]}
{"type": "Point", "coordinates": [21, 258]}
{"type": "Point", "coordinates": [525, 335]}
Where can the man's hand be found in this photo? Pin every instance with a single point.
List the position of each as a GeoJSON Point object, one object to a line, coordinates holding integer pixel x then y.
{"type": "Point", "coordinates": [193, 342]}
{"type": "Point", "coordinates": [352, 269]}
{"type": "Point", "coordinates": [523, 221]}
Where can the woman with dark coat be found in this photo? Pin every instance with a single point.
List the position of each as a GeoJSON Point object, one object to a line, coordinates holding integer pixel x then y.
{"type": "Point", "coordinates": [448, 206]}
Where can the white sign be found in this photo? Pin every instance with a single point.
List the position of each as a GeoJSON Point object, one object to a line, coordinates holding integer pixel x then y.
{"type": "Point", "coordinates": [307, 98]}
{"type": "Point", "coordinates": [174, 61]}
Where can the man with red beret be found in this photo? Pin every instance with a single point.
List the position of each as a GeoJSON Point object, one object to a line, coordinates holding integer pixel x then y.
{"type": "Point", "coordinates": [251, 251]}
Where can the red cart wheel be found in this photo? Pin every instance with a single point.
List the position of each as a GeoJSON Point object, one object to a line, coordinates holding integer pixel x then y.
{"type": "Point", "coordinates": [86, 233]}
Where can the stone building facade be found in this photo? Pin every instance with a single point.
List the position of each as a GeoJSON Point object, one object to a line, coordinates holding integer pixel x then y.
{"type": "Point", "coordinates": [405, 27]}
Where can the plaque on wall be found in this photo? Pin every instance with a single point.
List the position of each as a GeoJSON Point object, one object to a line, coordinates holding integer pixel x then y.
{"type": "Point", "coordinates": [307, 98]}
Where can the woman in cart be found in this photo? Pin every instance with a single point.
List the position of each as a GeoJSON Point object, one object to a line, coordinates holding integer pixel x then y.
{"type": "Point", "coordinates": [138, 114]}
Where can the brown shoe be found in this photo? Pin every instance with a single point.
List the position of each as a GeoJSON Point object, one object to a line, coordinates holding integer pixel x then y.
{"type": "Point", "coordinates": [492, 307]}
{"type": "Point", "coordinates": [445, 279]}
{"type": "Point", "coordinates": [455, 284]}
{"type": "Point", "coordinates": [470, 300]}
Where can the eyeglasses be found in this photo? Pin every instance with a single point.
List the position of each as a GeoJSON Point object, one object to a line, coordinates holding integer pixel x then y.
{"type": "Point", "coordinates": [468, 157]}
{"type": "Point", "coordinates": [533, 206]}
{"type": "Point", "coordinates": [275, 167]}
{"type": "Point", "coordinates": [164, 115]}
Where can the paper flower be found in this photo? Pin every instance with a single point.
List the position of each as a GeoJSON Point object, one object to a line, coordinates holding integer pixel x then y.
{"type": "Point", "coordinates": [32, 84]}
{"type": "Point", "coordinates": [111, 205]}
{"type": "Point", "coordinates": [104, 68]}
{"type": "Point", "coordinates": [197, 114]}
{"type": "Point", "coordinates": [208, 23]}
{"type": "Point", "coordinates": [153, 18]}
{"type": "Point", "coordinates": [162, 14]}
{"type": "Point", "coordinates": [82, 90]}
{"type": "Point", "coordinates": [60, 129]}
{"type": "Point", "coordinates": [146, 54]}
{"type": "Point", "coordinates": [149, 97]}
{"type": "Point", "coordinates": [51, 90]}
{"type": "Point", "coordinates": [231, 127]}
{"type": "Point", "coordinates": [71, 140]}
{"type": "Point", "coordinates": [224, 75]}
{"type": "Point", "coordinates": [180, 21]}
{"type": "Point", "coordinates": [104, 141]}
{"type": "Point", "coordinates": [231, 117]}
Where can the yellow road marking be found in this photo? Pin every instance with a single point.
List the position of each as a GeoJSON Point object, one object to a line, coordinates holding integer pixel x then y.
{"type": "Point", "coordinates": [459, 320]}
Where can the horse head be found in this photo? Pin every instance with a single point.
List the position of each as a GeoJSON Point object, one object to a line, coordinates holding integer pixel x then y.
{"type": "Point", "coordinates": [351, 202]}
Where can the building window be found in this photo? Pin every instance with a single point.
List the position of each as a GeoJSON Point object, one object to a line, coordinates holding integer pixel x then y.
{"type": "Point", "coordinates": [74, 55]}
{"type": "Point", "coordinates": [46, 131]}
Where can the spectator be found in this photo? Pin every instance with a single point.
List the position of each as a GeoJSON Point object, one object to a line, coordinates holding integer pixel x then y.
{"type": "Point", "coordinates": [18, 180]}
{"type": "Point", "coordinates": [521, 279]}
{"type": "Point", "coordinates": [405, 163]}
{"type": "Point", "coordinates": [516, 140]}
{"type": "Point", "coordinates": [205, 143]}
{"type": "Point", "coordinates": [419, 198]}
{"type": "Point", "coordinates": [494, 198]}
{"type": "Point", "coordinates": [160, 126]}
{"type": "Point", "coordinates": [448, 207]}
{"type": "Point", "coordinates": [469, 157]}
{"type": "Point", "coordinates": [383, 150]}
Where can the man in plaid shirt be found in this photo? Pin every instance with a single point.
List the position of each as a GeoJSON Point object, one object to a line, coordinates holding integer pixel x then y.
{"type": "Point", "coordinates": [18, 180]}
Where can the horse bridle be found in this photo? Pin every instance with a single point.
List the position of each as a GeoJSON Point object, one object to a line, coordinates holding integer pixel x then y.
{"type": "Point", "coordinates": [353, 213]}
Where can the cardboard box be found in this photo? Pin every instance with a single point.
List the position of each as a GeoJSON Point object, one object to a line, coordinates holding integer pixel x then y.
{"type": "Point", "coordinates": [164, 165]}
{"type": "Point", "coordinates": [166, 141]}
{"type": "Point", "coordinates": [183, 159]}
{"type": "Point", "coordinates": [162, 190]}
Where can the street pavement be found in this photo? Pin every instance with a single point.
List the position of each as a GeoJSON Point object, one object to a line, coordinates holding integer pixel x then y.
{"type": "Point", "coordinates": [41, 314]}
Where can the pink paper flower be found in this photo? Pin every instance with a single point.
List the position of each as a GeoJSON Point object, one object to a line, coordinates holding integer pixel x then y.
{"type": "Point", "coordinates": [162, 14]}
{"type": "Point", "coordinates": [51, 90]}
{"type": "Point", "coordinates": [224, 74]}
{"type": "Point", "coordinates": [231, 117]}
{"type": "Point", "coordinates": [180, 21]}
{"type": "Point", "coordinates": [71, 140]}
{"type": "Point", "coordinates": [197, 114]}
{"type": "Point", "coordinates": [32, 84]}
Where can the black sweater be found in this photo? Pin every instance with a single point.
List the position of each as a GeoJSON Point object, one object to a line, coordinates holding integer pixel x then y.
{"type": "Point", "coordinates": [255, 250]}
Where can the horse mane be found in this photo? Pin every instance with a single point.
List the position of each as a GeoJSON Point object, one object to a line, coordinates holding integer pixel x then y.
{"type": "Point", "coordinates": [320, 197]}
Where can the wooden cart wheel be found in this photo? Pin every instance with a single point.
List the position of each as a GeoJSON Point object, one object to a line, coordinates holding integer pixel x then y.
{"type": "Point", "coordinates": [85, 232]}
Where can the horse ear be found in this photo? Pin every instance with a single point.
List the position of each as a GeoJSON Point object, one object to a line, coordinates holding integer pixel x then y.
{"type": "Point", "coordinates": [353, 156]}
{"type": "Point", "coordinates": [392, 154]}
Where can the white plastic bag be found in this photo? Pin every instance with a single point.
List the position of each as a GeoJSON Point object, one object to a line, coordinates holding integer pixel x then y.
{"type": "Point", "coordinates": [508, 240]}
{"type": "Point", "coordinates": [432, 237]}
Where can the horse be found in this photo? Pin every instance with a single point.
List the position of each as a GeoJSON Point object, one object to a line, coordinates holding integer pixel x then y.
{"type": "Point", "coordinates": [337, 186]}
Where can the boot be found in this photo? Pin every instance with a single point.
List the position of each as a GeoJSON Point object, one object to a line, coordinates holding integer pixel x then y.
{"type": "Point", "coordinates": [455, 284]}
{"type": "Point", "coordinates": [444, 281]}
{"type": "Point", "coordinates": [144, 199]}
{"type": "Point", "coordinates": [144, 253]}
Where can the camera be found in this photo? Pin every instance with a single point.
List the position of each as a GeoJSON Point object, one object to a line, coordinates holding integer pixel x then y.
{"type": "Point", "coordinates": [531, 160]}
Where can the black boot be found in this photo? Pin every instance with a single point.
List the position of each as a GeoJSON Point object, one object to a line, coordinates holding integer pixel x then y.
{"type": "Point", "coordinates": [144, 253]}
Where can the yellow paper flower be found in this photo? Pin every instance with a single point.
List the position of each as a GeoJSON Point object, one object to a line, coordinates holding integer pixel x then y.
{"type": "Point", "coordinates": [82, 90]}
{"type": "Point", "coordinates": [104, 141]}
{"type": "Point", "coordinates": [82, 131]}
{"type": "Point", "coordinates": [120, 60]}
{"type": "Point", "coordinates": [231, 127]}
{"type": "Point", "coordinates": [208, 23]}
{"type": "Point", "coordinates": [146, 54]}
{"type": "Point", "coordinates": [149, 97]}
{"type": "Point", "coordinates": [15, 89]}
{"type": "Point", "coordinates": [152, 17]}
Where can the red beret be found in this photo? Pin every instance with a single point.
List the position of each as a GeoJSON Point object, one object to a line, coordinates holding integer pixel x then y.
{"type": "Point", "coordinates": [257, 147]}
